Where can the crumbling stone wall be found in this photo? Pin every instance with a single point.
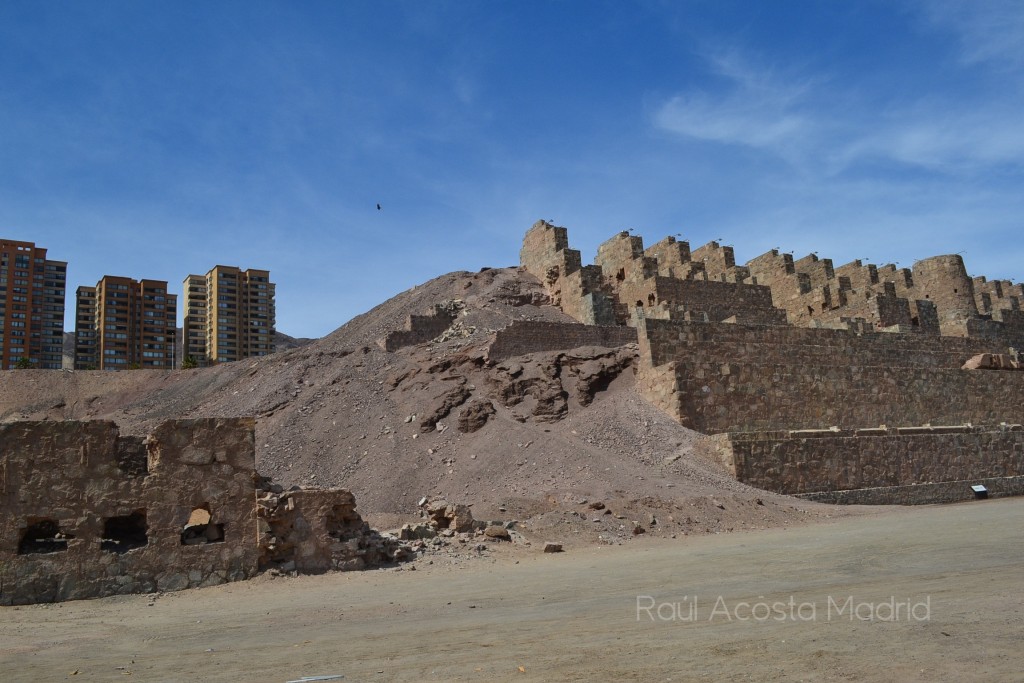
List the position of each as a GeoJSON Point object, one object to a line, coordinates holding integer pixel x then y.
{"type": "Point", "coordinates": [312, 531]}
{"type": "Point", "coordinates": [422, 328]}
{"type": "Point", "coordinates": [798, 462]}
{"type": "Point", "coordinates": [87, 513]}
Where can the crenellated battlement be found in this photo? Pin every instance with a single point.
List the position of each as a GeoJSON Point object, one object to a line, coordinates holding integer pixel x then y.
{"type": "Point", "coordinates": [669, 281]}
{"type": "Point", "coordinates": [825, 351]}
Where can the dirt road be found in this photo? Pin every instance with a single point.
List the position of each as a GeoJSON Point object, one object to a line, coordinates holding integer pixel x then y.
{"type": "Point", "coordinates": [944, 586]}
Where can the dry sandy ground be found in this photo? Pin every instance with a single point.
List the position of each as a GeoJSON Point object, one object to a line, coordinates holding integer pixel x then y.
{"type": "Point", "coordinates": [526, 616]}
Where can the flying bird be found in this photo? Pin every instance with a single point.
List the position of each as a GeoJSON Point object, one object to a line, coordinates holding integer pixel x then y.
{"type": "Point", "coordinates": [378, 207]}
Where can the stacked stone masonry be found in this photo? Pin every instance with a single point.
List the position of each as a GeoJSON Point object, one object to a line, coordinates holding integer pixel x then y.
{"type": "Point", "coordinates": [921, 494]}
{"type": "Point", "coordinates": [784, 344]}
{"type": "Point", "coordinates": [421, 328]}
{"type": "Point", "coordinates": [86, 512]}
{"type": "Point", "coordinates": [665, 281]}
{"type": "Point", "coordinates": [742, 378]}
{"type": "Point", "coordinates": [800, 462]}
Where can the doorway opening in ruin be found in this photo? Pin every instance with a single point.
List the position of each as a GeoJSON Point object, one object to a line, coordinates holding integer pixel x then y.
{"type": "Point", "coordinates": [199, 530]}
{"type": "Point", "coordinates": [121, 534]}
{"type": "Point", "coordinates": [42, 535]}
{"type": "Point", "coordinates": [621, 275]}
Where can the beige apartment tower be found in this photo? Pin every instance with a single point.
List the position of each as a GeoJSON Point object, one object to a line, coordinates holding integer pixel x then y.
{"type": "Point", "coordinates": [31, 307]}
{"type": "Point", "coordinates": [123, 324]}
{"type": "Point", "coordinates": [229, 315]}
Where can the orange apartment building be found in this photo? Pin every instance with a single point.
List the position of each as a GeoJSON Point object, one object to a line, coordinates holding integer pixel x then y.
{"type": "Point", "coordinates": [32, 292]}
{"type": "Point", "coordinates": [229, 315]}
{"type": "Point", "coordinates": [123, 323]}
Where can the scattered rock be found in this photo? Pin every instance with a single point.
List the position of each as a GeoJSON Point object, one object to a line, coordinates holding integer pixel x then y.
{"type": "Point", "coordinates": [498, 532]}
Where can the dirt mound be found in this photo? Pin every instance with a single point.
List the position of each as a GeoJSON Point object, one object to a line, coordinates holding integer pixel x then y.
{"type": "Point", "coordinates": [539, 438]}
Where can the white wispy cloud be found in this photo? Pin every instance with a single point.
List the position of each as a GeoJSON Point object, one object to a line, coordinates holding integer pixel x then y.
{"type": "Point", "coordinates": [987, 31]}
{"type": "Point", "coordinates": [941, 139]}
{"type": "Point", "coordinates": [755, 108]}
{"type": "Point", "coordinates": [819, 124]}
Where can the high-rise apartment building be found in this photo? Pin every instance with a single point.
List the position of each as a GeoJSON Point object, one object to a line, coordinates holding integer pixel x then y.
{"type": "Point", "coordinates": [31, 307]}
{"type": "Point", "coordinates": [85, 329]}
{"type": "Point", "coordinates": [193, 328]}
{"type": "Point", "coordinates": [123, 323]}
{"type": "Point", "coordinates": [229, 315]}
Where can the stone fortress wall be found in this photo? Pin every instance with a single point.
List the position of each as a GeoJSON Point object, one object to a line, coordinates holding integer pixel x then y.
{"type": "Point", "coordinates": [86, 512]}
{"type": "Point", "coordinates": [761, 351]}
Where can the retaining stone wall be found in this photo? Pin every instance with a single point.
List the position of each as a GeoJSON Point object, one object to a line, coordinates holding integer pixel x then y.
{"type": "Point", "coordinates": [920, 494]}
{"type": "Point", "coordinates": [797, 462]}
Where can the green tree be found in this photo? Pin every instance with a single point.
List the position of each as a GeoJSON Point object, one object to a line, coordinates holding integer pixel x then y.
{"type": "Point", "coordinates": [24, 363]}
{"type": "Point", "coordinates": [189, 363]}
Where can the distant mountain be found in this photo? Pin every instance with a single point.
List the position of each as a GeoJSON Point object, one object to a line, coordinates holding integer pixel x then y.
{"type": "Point", "coordinates": [283, 342]}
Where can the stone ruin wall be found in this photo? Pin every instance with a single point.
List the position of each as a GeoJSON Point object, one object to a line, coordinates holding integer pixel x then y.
{"type": "Point", "coordinates": [421, 328]}
{"type": "Point", "coordinates": [825, 461]}
{"type": "Point", "coordinates": [727, 378]}
{"type": "Point", "coordinates": [669, 281]}
{"type": "Point", "coordinates": [929, 493]}
{"type": "Point", "coordinates": [86, 512]}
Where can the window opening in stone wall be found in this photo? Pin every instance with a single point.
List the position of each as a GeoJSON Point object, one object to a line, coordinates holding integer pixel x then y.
{"type": "Point", "coordinates": [650, 299]}
{"type": "Point", "coordinates": [198, 530]}
{"type": "Point", "coordinates": [132, 458]}
{"type": "Point", "coordinates": [121, 534]}
{"type": "Point", "coordinates": [621, 275]}
{"type": "Point", "coordinates": [43, 536]}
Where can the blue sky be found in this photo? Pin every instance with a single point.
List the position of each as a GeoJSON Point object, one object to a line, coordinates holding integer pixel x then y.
{"type": "Point", "coordinates": [157, 139]}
